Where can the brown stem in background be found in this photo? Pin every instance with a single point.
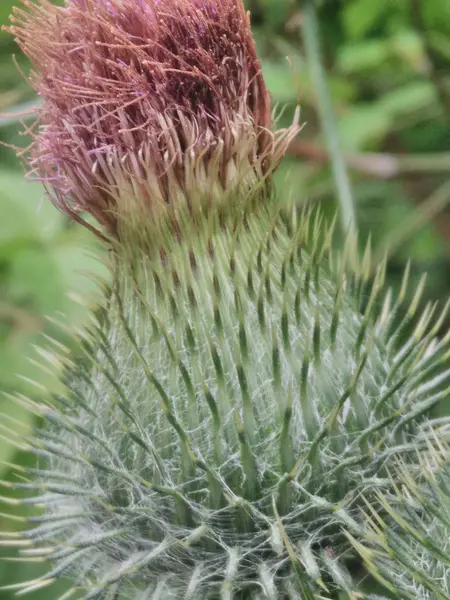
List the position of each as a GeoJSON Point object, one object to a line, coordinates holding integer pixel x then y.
{"type": "Point", "coordinates": [377, 164]}
{"type": "Point", "coordinates": [389, 166]}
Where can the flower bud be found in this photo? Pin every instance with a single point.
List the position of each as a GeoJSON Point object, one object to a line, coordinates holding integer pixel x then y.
{"type": "Point", "coordinates": [148, 104]}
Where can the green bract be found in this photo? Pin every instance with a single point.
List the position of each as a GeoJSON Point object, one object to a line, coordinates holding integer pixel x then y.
{"type": "Point", "coordinates": [408, 550]}
{"type": "Point", "coordinates": [242, 389]}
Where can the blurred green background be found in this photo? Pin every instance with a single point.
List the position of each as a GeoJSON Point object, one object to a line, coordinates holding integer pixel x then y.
{"type": "Point", "coordinates": [388, 69]}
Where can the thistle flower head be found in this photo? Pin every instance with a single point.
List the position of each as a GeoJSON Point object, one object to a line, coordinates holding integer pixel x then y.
{"type": "Point", "coordinates": [235, 401]}
{"type": "Point", "coordinates": [147, 103]}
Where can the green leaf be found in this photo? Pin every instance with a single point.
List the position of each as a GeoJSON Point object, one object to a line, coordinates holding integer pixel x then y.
{"type": "Point", "coordinates": [412, 97]}
{"type": "Point", "coordinates": [364, 126]}
{"type": "Point", "coordinates": [361, 56]}
{"type": "Point", "coordinates": [280, 80]}
{"type": "Point", "coordinates": [35, 281]}
{"type": "Point", "coordinates": [5, 9]}
{"type": "Point", "coordinates": [276, 13]}
{"type": "Point", "coordinates": [26, 214]}
{"type": "Point", "coordinates": [361, 16]}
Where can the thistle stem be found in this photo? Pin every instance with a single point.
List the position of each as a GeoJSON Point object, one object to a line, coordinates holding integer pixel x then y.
{"type": "Point", "coordinates": [310, 34]}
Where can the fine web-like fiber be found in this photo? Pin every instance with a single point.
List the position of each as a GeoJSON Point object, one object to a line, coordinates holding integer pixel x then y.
{"type": "Point", "coordinates": [236, 398]}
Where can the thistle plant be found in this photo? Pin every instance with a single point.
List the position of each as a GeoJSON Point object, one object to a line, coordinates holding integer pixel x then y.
{"type": "Point", "coordinates": [243, 389]}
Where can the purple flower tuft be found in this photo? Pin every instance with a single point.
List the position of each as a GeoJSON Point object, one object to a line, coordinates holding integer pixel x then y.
{"type": "Point", "coordinates": [146, 102]}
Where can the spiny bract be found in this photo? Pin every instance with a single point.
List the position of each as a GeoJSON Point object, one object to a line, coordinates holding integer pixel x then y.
{"type": "Point", "coordinates": [408, 550]}
{"type": "Point", "coordinates": [237, 397]}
